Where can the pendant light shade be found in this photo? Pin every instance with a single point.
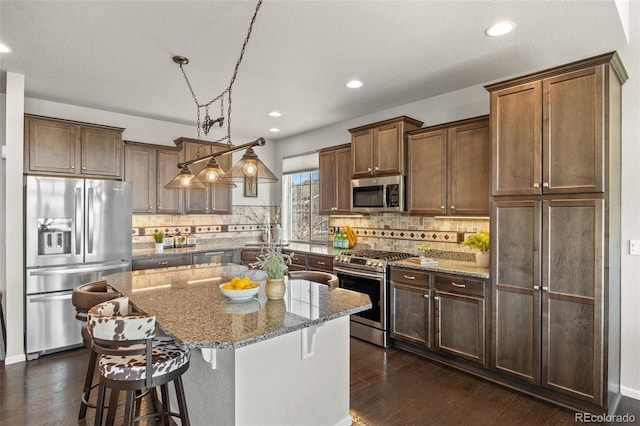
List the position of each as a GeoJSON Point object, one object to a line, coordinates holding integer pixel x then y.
{"type": "Point", "coordinates": [250, 166]}
{"type": "Point", "coordinates": [185, 179]}
{"type": "Point", "coordinates": [212, 174]}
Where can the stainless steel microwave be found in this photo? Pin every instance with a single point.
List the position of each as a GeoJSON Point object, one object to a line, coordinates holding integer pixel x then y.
{"type": "Point", "coordinates": [377, 194]}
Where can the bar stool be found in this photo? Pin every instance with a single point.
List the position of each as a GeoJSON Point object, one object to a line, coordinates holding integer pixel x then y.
{"type": "Point", "coordinates": [83, 298]}
{"type": "Point", "coordinates": [315, 276]}
{"type": "Point", "coordinates": [132, 360]}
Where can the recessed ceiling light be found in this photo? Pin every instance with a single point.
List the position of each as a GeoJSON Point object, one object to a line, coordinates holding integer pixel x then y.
{"type": "Point", "coordinates": [275, 114]}
{"type": "Point", "coordinates": [501, 28]}
{"type": "Point", "coordinates": [274, 129]}
{"type": "Point", "coordinates": [4, 48]}
{"type": "Point", "coordinates": [354, 84]}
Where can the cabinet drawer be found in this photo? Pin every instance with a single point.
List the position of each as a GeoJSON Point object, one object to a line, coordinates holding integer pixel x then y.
{"type": "Point", "coordinates": [298, 259]}
{"type": "Point", "coordinates": [459, 284]}
{"type": "Point", "coordinates": [161, 262]}
{"type": "Point", "coordinates": [321, 263]}
{"type": "Point", "coordinates": [249, 255]}
{"type": "Point", "coordinates": [410, 276]}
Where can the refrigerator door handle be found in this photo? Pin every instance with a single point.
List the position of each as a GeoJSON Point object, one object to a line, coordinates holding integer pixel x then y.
{"type": "Point", "coordinates": [67, 271]}
{"type": "Point", "coordinates": [66, 295]}
{"type": "Point", "coordinates": [78, 220]}
{"type": "Point", "coordinates": [90, 221]}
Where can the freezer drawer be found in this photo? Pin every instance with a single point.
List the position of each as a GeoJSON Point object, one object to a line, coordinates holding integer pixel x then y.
{"type": "Point", "coordinates": [51, 324]}
{"type": "Point", "coordinates": [60, 278]}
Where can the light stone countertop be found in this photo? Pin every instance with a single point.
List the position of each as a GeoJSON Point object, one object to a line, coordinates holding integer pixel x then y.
{"type": "Point", "coordinates": [190, 307]}
{"type": "Point", "coordinates": [321, 249]}
{"type": "Point", "coordinates": [458, 267]}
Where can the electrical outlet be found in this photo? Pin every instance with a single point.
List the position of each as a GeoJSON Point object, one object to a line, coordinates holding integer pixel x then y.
{"type": "Point", "coordinates": [634, 247]}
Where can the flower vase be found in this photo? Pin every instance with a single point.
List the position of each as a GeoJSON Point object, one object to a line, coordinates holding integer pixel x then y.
{"type": "Point", "coordinates": [159, 247]}
{"type": "Point", "coordinates": [482, 259]}
{"type": "Point", "coordinates": [275, 288]}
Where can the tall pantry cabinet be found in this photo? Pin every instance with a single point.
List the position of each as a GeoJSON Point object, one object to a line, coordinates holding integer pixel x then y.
{"type": "Point", "coordinates": [555, 272]}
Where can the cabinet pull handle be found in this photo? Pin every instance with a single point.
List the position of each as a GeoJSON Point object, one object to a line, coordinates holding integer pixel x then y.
{"type": "Point", "coordinates": [545, 184]}
{"type": "Point", "coordinates": [545, 288]}
{"type": "Point", "coordinates": [536, 185]}
{"type": "Point", "coordinates": [426, 296]}
{"type": "Point", "coordinates": [458, 285]}
{"type": "Point", "coordinates": [453, 207]}
{"type": "Point", "coordinates": [321, 263]}
{"type": "Point", "coordinates": [377, 168]}
{"type": "Point", "coordinates": [536, 287]}
{"type": "Point", "coordinates": [163, 263]}
{"type": "Point", "coordinates": [442, 208]}
{"type": "Point", "coordinates": [436, 298]}
{"type": "Point", "coordinates": [409, 277]}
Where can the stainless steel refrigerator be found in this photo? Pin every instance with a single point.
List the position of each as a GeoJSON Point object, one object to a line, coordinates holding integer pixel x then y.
{"type": "Point", "coordinates": [76, 231]}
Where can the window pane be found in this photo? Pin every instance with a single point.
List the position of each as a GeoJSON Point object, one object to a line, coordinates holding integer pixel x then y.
{"type": "Point", "coordinates": [301, 207]}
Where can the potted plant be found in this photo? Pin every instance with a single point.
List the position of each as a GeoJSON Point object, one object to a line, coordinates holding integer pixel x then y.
{"type": "Point", "coordinates": [424, 249]}
{"type": "Point", "coordinates": [158, 237]}
{"type": "Point", "coordinates": [275, 264]}
{"type": "Point", "coordinates": [480, 242]}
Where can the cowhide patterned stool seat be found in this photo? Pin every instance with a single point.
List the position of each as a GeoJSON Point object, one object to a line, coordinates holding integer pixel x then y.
{"type": "Point", "coordinates": [132, 360]}
{"type": "Point", "coordinates": [83, 298]}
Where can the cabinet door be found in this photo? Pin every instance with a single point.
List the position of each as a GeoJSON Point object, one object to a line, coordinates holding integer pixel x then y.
{"type": "Point", "coordinates": [410, 314]}
{"type": "Point", "coordinates": [221, 197]}
{"type": "Point", "coordinates": [572, 298]}
{"type": "Point", "coordinates": [169, 200]}
{"type": "Point", "coordinates": [469, 169]}
{"type": "Point", "coordinates": [140, 170]}
{"type": "Point", "coordinates": [460, 325]}
{"type": "Point", "coordinates": [196, 201]}
{"type": "Point", "coordinates": [52, 146]}
{"type": "Point", "coordinates": [328, 176]}
{"type": "Point", "coordinates": [427, 173]}
{"type": "Point", "coordinates": [101, 152]}
{"type": "Point", "coordinates": [515, 276]}
{"type": "Point", "coordinates": [362, 153]}
{"type": "Point", "coordinates": [343, 177]}
{"type": "Point", "coordinates": [320, 263]}
{"type": "Point", "coordinates": [573, 141]}
{"type": "Point", "coordinates": [388, 150]}
{"type": "Point", "coordinates": [516, 115]}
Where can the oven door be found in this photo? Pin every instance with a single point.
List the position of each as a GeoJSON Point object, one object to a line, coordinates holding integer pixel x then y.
{"type": "Point", "coordinates": [371, 284]}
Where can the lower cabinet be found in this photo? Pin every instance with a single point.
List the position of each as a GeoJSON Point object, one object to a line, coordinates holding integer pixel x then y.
{"type": "Point", "coordinates": [441, 312]}
{"type": "Point", "coordinates": [161, 262]}
{"type": "Point", "coordinates": [298, 261]}
{"type": "Point", "coordinates": [320, 263]}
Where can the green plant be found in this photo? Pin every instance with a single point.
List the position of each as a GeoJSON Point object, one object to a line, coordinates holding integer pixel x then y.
{"type": "Point", "coordinates": [273, 262]}
{"type": "Point", "coordinates": [424, 247]}
{"type": "Point", "coordinates": [479, 240]}
{"type": "Point", "coordinates": [158, 236]}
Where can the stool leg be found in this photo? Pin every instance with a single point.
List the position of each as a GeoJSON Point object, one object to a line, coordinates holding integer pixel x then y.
{"type": "Point", "coordinates": [164, 390]}
{"type": "Point", "coordinates": [113, 406]}
{"type": "Point", "coordinates": [128, 408]}
{"type": "Point", "coordinates": [99, 405]}
{"type": "Point", "coordinates": [88, 381]}
{"type": "Point", "coordinates": [182, 402]}
{"type": "Point", "coordinates": [154, 401]}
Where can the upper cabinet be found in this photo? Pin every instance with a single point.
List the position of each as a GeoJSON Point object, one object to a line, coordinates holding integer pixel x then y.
{"type": "Point", "coordinates": [335, 180]}
{"type": "Point", "coordinates": [149, 168]}
{"type": "Point", "coordinates": [449, 168]}
{"type": "Point", "coordinates": [549, 130]}
{"type": "Point", "coordinates": [216, 198]}
{"type": "Point", "coordinates": [69, 148]}
{"type": "Point", "coordinates": [380, 148]}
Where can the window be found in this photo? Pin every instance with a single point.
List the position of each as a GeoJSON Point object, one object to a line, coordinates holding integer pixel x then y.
{"type": "Point", "coordinates": [300, 208]}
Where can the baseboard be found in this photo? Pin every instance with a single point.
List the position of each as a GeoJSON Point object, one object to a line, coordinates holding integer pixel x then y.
{"type": "Point", "coordinates": [15, 359]}
{"type": "Point", "coordinates": [347, 421]}
{"type": "Point", "coordinates": [630, 392]}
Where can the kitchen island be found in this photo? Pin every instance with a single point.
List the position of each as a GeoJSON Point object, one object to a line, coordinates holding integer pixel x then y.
{"type": "Point", "coordinates": [260, 361]}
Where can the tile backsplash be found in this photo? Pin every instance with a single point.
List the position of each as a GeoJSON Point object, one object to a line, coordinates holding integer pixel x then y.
{"type": "Point", "coordinates": [403, 233]}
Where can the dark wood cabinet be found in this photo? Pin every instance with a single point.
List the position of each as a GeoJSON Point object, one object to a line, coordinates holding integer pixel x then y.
{"type": "Point", "coordinates": [69, 148]}
{"type": "Point", "coordinates": [317, 262]}
{"type": "Point", "coordinates": [556, 232]}
{"type": "Point", "coordinates": [149, 168]}
{"type": "Point", "coordinates": [380, 148]}
{"type": "Point", "coordinates": [411, 308]}
{"type": "Point", "coordinates": [161, 262]}
{"type": "Point", "coordinates": [460, 317]}
{"type": "Point", "coordinates": [335, 180]}
{"type": "Point", "coordinates": [248, 256]}
{"type": "Point", "coordinates": [215, 199]}
{"type": "Point", "coordinates": [298, 260]}
{"type": "Point", "coordinates": [449, 168]}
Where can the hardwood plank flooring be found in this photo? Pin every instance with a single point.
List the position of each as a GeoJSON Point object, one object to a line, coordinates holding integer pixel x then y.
{"type": "Point", "coordinates": [388, 387]}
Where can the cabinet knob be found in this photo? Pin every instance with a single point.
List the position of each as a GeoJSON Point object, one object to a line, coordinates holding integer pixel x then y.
{"type": "Point", "coordinates": [536, 185]}
{"type": "Point", "coordinates": [426, 296]}
{"type": "Point", "coordinates": [545, 288]}
{"type": "Point", "coordinates": [536, 287]}
{"type": "Point", "coordinates": [377, 168]}
{"type": "Point", "coordinates": [436, 298]}
{"type": "Point", "coordinates": [442, 208]}
{"type": "Point", "coordinates": [84, 168]}
{"type": "Point", "coordinates": [453, 207]}
{"type": "Point", "coordinates": [73, 167]}
{"type": "Point", "coordinates": [545, 184]}
{"type": "Point", "coordinates": [369, 170]}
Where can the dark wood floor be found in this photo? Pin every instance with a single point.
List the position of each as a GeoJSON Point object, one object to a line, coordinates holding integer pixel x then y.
{"type": "Point", "coordinates": [388, 387]}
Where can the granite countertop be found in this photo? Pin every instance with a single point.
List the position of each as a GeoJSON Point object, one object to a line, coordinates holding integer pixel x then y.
{"type": "Point", "coordinates": [190, 307]}
{"type": "Point", "coordinates": [322, 249]}
{"type": "Point", "coordinates": [458, 267]}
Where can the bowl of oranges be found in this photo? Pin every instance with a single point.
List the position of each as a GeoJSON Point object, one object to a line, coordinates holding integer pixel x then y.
{"type": "Point", "coordinates": [240, 288]}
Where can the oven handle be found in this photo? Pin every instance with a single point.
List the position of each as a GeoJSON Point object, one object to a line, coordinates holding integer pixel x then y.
{"type": "Point", "coordinates": [351, 272]}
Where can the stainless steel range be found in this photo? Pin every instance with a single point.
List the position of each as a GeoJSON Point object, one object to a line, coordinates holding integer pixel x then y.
{"type": "Point", "coordinates": [365, 271]}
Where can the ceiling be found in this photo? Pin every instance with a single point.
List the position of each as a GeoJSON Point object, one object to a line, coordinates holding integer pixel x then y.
{"type": "Point", "coordinates": [117, 55]}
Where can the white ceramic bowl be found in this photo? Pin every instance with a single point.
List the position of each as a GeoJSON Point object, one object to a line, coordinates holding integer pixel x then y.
{"type": "Point", "coordinates": [244, 294]}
